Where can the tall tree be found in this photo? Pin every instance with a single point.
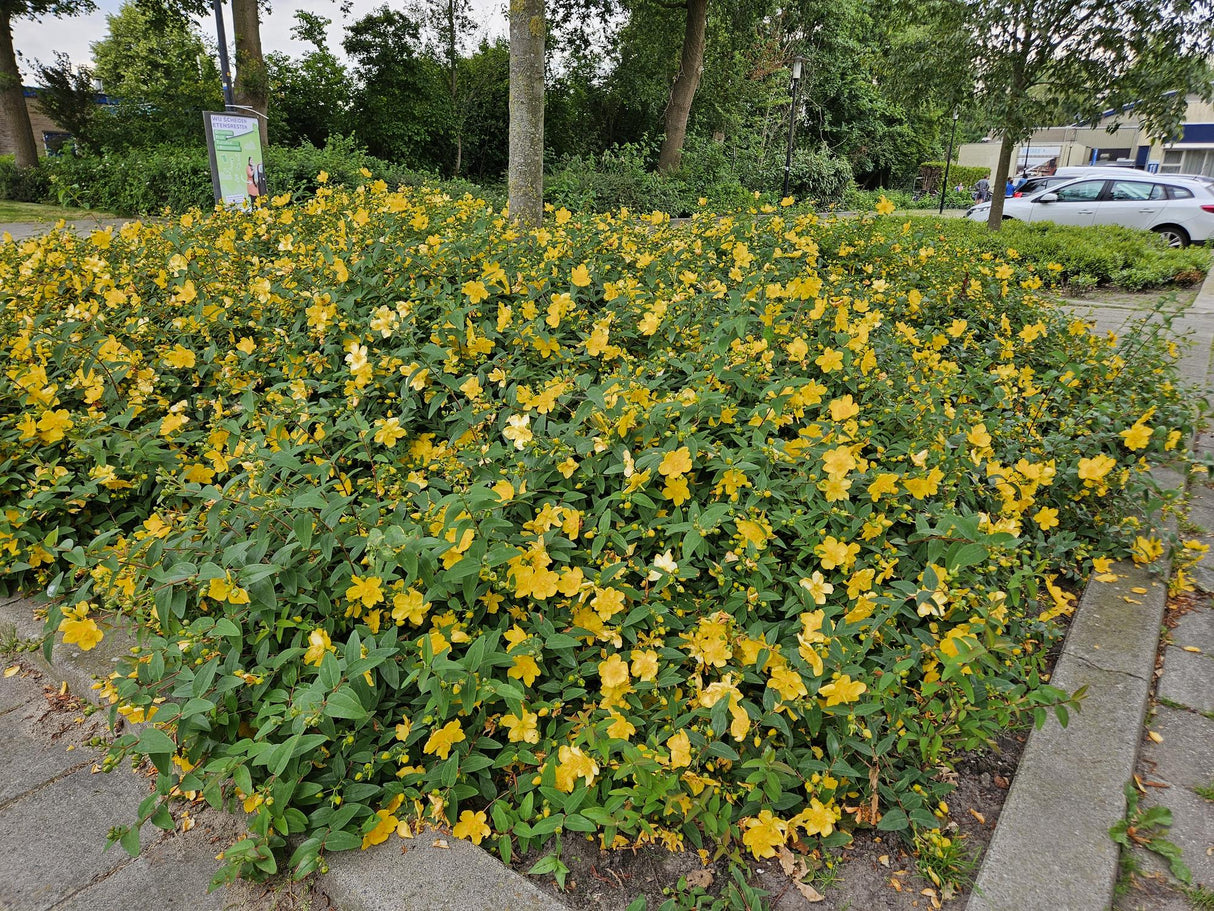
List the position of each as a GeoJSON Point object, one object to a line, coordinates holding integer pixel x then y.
{"type": "Point", "coordinates": [252, 86]}
{"type": "Point", "coordinates": [447, 23]}
{"type": "Point", "coordinates": [1042, 62]}
{"type": "Point", "coordinates": [526, 170]}
{"type": "Point", "coordinates": [401, 103]}
{"type": "Point", "coordinates": [12, 98]}
{"type": "Point", "coordinates": [309, 95]}
{"type": "Point", "coordinates": [683, 90]}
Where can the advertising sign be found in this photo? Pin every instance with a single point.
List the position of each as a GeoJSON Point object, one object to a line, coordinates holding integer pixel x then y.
{"type": "Point", "coordinates": [1037, 159]}
{"type": "Point", "coordinates": [237, 168]}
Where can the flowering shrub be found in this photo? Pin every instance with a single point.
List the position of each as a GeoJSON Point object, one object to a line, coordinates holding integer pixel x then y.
{"type": "Point", "coordinates": [714, 533]}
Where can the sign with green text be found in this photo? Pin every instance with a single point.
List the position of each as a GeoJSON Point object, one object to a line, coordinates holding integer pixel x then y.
{"type": "Point", "coordinates": [237, 169]}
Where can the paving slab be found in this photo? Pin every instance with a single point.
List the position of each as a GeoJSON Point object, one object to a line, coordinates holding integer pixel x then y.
{"type": "Point", "coordinates": [1184, 758]}
{"type": "Point", "coordinates": [1051, 848]}
{"type": "Point", "coordinates": [1188, 679]}
{"type": "Point", "coordinates": [1196, 630]}
{"type": "Point", "coordinates": [19, 690]}
{"type": "Point", "coordinates": [1108, 631]}
{"type": "Point", "coordinates": [28, 762]}
{"type": "Point", "coordinates": [51, 840]}
{"type": "Point", "coordinates": [172, 875]}
{"type": "Point", "coordinates": [458, 877]}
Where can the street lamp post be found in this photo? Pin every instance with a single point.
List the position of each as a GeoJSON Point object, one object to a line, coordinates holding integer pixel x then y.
{"type": "Point", "coordinates": [948, 159]}
{"type": "Point", "coordinates": [225, 69]}
{"type": "Point", "coordinates": [792, 120]}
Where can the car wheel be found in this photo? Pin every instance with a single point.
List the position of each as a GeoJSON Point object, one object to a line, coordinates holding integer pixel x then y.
{"type": "Point", "coordinates": [1173, 236]}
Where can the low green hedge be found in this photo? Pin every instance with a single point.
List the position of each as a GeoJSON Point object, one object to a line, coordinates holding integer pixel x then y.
{"type": "Point", "coordinates": [1105, 255]}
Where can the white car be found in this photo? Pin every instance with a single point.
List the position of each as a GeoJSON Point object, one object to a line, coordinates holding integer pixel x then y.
{"type": "Point", "coordinates": [1178, 207]}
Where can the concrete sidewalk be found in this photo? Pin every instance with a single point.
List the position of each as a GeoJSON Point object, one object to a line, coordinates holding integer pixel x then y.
{"type": "Point", "coordinates": [1051, 849]}
{"type": "Point", "coordinates": [56, 808]}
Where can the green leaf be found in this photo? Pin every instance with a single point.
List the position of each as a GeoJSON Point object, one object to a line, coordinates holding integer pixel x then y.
{"type": "Point", "coordinates": [154, 741]}
{"type": "Point", "coordinates": [344, 703]}
{"type": "Point", "coordinates": [894, 820]}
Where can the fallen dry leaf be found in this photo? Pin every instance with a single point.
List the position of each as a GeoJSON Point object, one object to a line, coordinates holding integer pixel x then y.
{"type": "Point", "coordinates": [895, 885]}
{"type": "Point", "coordinates": [883, 860]}
{"type": "Point", "coordinates": [1138, 590]}
{"type": "Point", "coordinates": [1188, 648]}
{"type": "Point", "coordinates": [1158, 738]}
{"type": "Point", "coordinates": [788, 862]}
{"type": "Point", "coordinates": [699, 879]}
{"type": "Point", "coordinates": [1107, 577]}
{"type": "Point", "coordinates": [440, 843]}
{"type": "Point", "coordinates": [12, 669]}
{"type": "Point", "coordinates": [1001, 782]}
{"type": "Point", "coordinates": [1128, 600]}
{"type": "Point", "coordinates": [808, 892]}
{"type": "Point", "coordinates": [978, 816]}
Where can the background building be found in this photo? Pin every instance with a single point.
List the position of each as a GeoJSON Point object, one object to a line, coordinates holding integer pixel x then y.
{"type": "Point", "coordinates": [1117, 138]}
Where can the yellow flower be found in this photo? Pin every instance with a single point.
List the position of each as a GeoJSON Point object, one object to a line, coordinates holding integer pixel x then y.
{"type": "Point", "coordinates": [842, 690]}
{"type": "Point", "coordinates": [1136, 437]}
{"type": "Point", "coordinates": [80, 631]}
{"type": "Point", "coordinates": [318, 644]}
{"type": "Point", "coordinates": [829, 360]}
{"type": "Point", "coordinates": [472, 826]}
{"type": "Point", "coordinates": [517, 430]}
{"type": "Point", "coordinates": [680, 750]}
{"type": "Point", "coordinates": [764, 834]}
{"type": "Point", "coordinates": [440, 741]}
{"type": "Point", "coordinates": [1094, 469]}
{"type": "Point", "coordinates": [676, 463]}
{"type": "Point", "coordinates": [818, 587]}
{"type": "Point", "coordinates": [884, 206]}
{"type": "Point", "coordinates": [645, 665]}
{"type": "Point", "coordinates": [573, 764]}
{"type": "Point", "coordinates": [816, 819]}
{"type": "Point", "coordinates": [1046, 518]}
{"type": "Point", "coordinates": [385, 825]}
{"type": "Point", "coordinates": [475, 292]}
{"type": "Point", "coordinates": [613, 672]}
{"type": "Point", "coordinates": [54, 424]}
{"type": "Point", "coordinates": [524, 669]}
{"type": "Point", "coordinates": [620, 728]}
{"type": "Point", "coordinates": [389, 432]}
{"type": "Point", "coordinates": [367, 590]}
{"type": "Point", "coordinates": [180, 357]}
{"type": "Point", "coordinates": [580, 276]}
{"type": "Point", "coordinates": [523, 729]}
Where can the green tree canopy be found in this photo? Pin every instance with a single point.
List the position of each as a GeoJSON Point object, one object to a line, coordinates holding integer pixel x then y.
{"type": "Point", "coordinates": [161, 74]}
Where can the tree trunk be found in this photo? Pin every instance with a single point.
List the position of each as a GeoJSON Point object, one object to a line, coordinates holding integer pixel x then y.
{"type": "Point", "coordinates": [252, 86]}
{"type": "Point", "coordinates": [995, 220]}
{"type": "Point", "coordinates": [691, 66]}
{"type": "Point", "coordinates": [12, 99]}
{"type": "Point", "coordinates": [526, 170]}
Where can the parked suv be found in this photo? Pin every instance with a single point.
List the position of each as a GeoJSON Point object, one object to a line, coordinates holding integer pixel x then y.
{"type": "Point", "coordinates": [1180, 209]}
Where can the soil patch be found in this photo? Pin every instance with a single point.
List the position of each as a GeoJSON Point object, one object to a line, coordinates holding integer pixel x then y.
{"type": "Point", "coordinates": [876, 872]}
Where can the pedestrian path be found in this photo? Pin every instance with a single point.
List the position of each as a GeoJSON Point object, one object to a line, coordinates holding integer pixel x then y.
{"type": "Point", "coordinates": [1052, 848]}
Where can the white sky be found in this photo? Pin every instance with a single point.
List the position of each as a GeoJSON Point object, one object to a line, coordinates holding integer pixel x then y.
{"type": "Point", "coordinates": [41, 40]}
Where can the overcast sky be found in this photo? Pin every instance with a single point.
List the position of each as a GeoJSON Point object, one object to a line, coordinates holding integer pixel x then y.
{"type": "Point", "coordinates": [40, 40]}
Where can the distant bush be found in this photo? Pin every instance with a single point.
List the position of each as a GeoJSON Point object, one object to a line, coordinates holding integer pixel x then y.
{"type": "Point", "coordinates": [932, 171]}
{"type": "Point", "coordinates": [22, 184]}
{"type": "Point", "coordinates": [1085, 257]}
{"type": "Point", "coordinates": [146, 181]}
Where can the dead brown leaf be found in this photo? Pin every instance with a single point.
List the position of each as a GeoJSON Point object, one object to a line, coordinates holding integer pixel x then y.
{"type": "Point", "coordinates": [699, 879]}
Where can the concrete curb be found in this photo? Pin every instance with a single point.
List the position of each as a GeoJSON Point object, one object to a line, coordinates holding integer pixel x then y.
{"type": "Point", "coordinates": [1051, 847]}
{"type": "Point", "coordinates": [426, 873]}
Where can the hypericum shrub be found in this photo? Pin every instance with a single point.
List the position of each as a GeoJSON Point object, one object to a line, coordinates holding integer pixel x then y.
{"type": "Point", "coordinates": [714, 533]}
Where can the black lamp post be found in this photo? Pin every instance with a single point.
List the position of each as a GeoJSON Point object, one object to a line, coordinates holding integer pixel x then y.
{"type": "Point", "coordinates": [948, 159]}
{"type": "Point", "coordinates": [225, 69]}
{"type": "Point", "coordinates": [792, 120]}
